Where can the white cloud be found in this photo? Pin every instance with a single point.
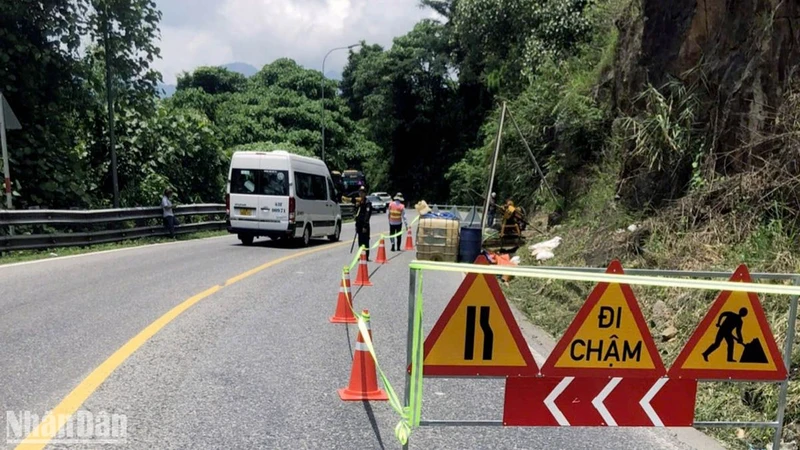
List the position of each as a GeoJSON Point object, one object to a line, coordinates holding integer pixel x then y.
{"type": "Point", "coordinates": [183, 49]}
{"type": "Point", "coordinates": [259, 31]}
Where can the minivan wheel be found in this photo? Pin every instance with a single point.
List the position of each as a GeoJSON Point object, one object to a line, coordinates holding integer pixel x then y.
{"type": "Point", "coordinates": [306, 236]}
{"type": "Point", "coordinates": [247, 239]}
{"type": "Point", "coordinates": [337, 232]}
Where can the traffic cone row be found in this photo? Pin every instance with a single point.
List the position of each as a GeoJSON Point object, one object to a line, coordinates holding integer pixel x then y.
{"type": "Point", "coordinates": [363, 383]}
{"type": "Point", "coordinates": [363, 375]}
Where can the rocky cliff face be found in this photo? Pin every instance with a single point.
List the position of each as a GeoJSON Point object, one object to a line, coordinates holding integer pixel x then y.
{"type": "Point", "coordinates": [743, 55]}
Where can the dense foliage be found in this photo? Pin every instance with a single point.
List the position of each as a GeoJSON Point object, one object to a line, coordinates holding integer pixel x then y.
{"type": "Point", "coordinates": [407, 115]}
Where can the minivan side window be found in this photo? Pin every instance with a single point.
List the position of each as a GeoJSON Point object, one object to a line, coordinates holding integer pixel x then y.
{"type": "Point", "coordinates": [310, 187]}
{"type": "Point", "coordinates": [319, 188]}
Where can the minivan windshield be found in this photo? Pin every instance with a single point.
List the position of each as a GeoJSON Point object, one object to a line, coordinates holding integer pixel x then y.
{"type": "Point", "coordinates": [260, 182]}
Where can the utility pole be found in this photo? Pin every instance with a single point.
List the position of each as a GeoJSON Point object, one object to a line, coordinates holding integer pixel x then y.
{"type": "Point", "coordinates": [8, 121]}
{"type": "Point", "coordinates": [494, 168]}
{"type": "Point", "coordinates": [6, 169]}
{"type": "Point", "coordinates": [110, 97]}
{"type": "Point", "coordinates": [323, 92]}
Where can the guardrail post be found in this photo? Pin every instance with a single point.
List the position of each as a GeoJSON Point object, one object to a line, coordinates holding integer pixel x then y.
{"type": "Point", "coordinates": [787, 359]}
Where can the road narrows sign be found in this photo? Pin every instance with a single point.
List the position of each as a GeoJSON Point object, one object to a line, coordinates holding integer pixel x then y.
{"type": "Point", "coordinates": [477, 335]}
{"type": "Point", "coordinates": [732, 342]}
{"type": "Point", "coordinates": [594, 402]}
{"type": "Point", "coordinates": [608, 337]}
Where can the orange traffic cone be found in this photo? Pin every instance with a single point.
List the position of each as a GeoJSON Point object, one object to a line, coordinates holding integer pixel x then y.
{"type": "Point", "coordinates": [363, 375]}
{"type": "Point", "coordinates": [362, 279]}
{"type": "Point", "coordinates": [381, 258]}
{"type": "Point", "coordinates": [409, 241]}
{"type": "Point", "coordinates": [344, 306]}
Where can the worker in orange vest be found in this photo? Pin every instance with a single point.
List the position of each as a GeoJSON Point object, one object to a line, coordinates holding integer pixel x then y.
{"type": "Point", "coordinates": [397, 217]}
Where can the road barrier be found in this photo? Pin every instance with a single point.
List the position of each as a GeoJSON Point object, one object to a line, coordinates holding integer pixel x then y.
{"type": "Point", "coordinates": [105, 225]}
{"type": "Point", "coordinates": [605, 370]}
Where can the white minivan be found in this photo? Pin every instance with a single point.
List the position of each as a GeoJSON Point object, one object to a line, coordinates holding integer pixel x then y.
{"type": "Point", "coordinates": [281, 196]}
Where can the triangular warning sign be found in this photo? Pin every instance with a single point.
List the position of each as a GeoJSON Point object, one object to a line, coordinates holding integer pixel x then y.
{"type": "Point", "coordinates": [733, 342]}
{"type": "Point", "coordinates": [477, 335]}
{"type": "Point", "coordinates": [608, 337]}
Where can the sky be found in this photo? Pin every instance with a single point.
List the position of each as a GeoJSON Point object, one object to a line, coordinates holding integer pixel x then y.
{"type": "Point", "coordinates": [215, 32]}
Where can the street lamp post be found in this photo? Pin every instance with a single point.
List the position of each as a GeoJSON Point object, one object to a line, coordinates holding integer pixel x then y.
{"type": "Point", "coordinates": [323, 92]}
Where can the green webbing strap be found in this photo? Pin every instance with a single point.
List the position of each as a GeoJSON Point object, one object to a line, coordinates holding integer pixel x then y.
{"type": "Point", "coordinates": [375, 245]}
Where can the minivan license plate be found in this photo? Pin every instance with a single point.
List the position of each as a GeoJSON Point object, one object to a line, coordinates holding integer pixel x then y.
{"type": "Point", "coordinates": [245, 212]}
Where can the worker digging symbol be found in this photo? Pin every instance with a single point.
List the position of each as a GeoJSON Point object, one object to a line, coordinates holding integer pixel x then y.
{"type": "Point", "coordinates": [729, 322]}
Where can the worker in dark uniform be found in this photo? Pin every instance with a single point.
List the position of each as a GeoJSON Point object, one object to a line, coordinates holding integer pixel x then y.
{"type": "Point", "coordinates": [728, 322]}
{"type": "Point", "coordinates": [363, 215]}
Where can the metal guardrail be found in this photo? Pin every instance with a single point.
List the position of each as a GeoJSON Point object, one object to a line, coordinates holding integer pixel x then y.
{"type": "Point", "coordinates": [88, 218]}
{"type": "Point", "coordinates": [39, 218]}
{"type": "Point", "coordinates": [59, 216]}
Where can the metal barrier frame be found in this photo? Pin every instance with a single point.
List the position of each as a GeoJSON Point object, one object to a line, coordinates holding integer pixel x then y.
{"type": "Point", "coordinates": [777, 424]}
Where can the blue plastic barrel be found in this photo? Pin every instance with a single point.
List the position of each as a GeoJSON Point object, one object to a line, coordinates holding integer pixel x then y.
{"type": "Point", "coordinates": [470, 244]}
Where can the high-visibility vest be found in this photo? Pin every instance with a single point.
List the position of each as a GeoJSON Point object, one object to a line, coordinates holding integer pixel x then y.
{"type": "Point", "coordinates": [396, 213]}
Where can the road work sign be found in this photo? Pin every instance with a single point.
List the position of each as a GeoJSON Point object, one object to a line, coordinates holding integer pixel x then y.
{"type": "Point", "coordinates": [733, 341]}
{"type": "Point", "coordinates": [477, 335]}
{"type": "Point", "coordinates": [608, 337]}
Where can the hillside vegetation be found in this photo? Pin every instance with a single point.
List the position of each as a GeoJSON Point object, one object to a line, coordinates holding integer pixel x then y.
{"type": "Point", "coordinates": [682, 117]}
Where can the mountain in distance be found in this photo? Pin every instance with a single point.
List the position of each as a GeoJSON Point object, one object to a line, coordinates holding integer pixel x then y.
{"type": "Point", "coordinates": [243, 68]}
{"type": "Point", "coordinates": [166, 90]}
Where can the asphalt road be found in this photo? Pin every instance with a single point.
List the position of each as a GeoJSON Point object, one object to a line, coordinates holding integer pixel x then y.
{"type": "Point", "coordinates": [255, 364]}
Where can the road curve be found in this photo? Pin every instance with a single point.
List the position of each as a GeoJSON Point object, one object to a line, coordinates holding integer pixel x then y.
{"type": "Point", "coordinates": [255, 364]}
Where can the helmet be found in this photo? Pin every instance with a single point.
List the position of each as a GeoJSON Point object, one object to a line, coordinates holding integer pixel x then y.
{"type": "Point", "coordinates": [399, 196]}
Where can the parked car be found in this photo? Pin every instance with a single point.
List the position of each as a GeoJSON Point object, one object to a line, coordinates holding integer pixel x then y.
{"type": "Point", "coordinates": [378, 204]}
{"type": "Point", "coordinates": [281, 196]}
{"type": "Point", "coordinates": [383, 196]}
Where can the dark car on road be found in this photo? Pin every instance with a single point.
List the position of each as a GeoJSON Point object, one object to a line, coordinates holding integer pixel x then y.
{"type": "Point", "coordinates": [378, 205]}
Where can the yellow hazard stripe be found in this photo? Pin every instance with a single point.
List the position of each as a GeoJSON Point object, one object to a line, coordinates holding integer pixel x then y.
{"type": "Point", "coordinates": [641, 280]}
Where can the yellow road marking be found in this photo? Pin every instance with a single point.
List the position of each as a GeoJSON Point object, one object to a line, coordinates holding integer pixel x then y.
{"type": "Point", "coordinates": [44, 432]}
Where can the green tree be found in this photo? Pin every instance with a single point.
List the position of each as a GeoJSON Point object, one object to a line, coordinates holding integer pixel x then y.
{"type": "Point", "coordinates": [40, 76]}
{"type": "Point", "coordinates": [213, 80]}
{"type": "Point", "coordinates": [410, 100]}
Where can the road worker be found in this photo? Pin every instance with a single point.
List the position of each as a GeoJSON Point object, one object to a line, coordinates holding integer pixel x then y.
{"type": "Point", "coordinates": [363, 215]}
{"type": "Point", "coordinates": [169, 215]}
{"type": "Point", "coordinates": [397, 218]}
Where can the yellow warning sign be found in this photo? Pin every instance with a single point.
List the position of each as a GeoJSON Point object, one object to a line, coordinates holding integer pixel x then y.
{"type": "Point", "coordinates": [732, 342]}
{"type": "Point", "coordinates": [477, 335]}
{"type": "Point", "coordinates": [608, 337]}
